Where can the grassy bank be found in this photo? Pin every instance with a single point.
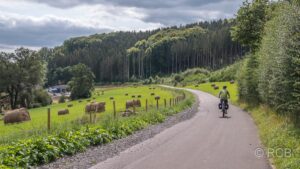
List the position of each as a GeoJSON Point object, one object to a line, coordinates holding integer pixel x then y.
{"type": "Point", "coordinates": [277, 133]}
{"type": "Point", "coordinates": [44, 149]}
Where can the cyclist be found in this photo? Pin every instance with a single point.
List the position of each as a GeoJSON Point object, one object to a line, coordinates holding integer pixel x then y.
{"type": "Point", "coordinates": [224, 96]}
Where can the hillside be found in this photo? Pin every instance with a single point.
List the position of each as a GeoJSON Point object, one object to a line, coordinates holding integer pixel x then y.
{"type": "Point", "coordinates": [126, 56]}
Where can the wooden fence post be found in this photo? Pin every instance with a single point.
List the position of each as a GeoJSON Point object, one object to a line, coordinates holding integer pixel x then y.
{"type": "Point", "coordinates": [157, 104]}
{"type": "Point", "coordinates": [49, 119]}
{"type": "Point", "coordinates": [165, 103]}
{"type": "Point", "coordinates": [146, 105]}
{"type": "Point", "coordinates": [133, 106]}
{"type": "Point", "coordinates": [114, 106]}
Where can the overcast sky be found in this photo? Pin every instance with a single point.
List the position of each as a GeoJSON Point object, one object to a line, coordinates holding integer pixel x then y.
{"type": "Point", "coordinates": [39, 23]}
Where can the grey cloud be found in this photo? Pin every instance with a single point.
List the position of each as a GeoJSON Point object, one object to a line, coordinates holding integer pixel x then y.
{"type": "Point", "coordinates": [166, 12]}
{"type": "Point", "coordinates": [130, 3]}
{"type": "Point", "coordinates": [184, 15]}
{"type": "Point", "coordinates": [47, 31]}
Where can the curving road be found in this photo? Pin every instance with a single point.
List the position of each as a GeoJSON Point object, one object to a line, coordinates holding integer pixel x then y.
{"type": "Point", "coordinates": [206, 141]}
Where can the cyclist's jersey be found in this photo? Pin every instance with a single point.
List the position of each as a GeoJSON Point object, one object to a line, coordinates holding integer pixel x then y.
{"type": "Point", "coordinates": [224, 94]}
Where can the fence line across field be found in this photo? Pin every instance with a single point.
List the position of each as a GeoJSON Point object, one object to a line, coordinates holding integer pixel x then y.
{"type": "Point", "coordinates": [172, 102]}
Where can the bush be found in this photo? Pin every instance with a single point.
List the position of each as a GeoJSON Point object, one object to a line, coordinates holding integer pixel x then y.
{"type": "Point", "coordinates": [41, 97]}
{"type": "Point", "coordinates": [62, 99]}
{"type": "Point", "coordinates": [178, 78]}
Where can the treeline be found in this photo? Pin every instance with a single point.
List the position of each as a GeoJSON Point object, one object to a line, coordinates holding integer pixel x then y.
{"type": "Point", "coordinates": [271, 71]}
{"type": "Point", "coordinates": [127, 56]}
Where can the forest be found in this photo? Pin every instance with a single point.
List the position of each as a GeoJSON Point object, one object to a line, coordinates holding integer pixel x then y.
{"type": "Point", "coordinates": [129, 56]}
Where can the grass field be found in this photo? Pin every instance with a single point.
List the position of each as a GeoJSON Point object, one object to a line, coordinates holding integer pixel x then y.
{"type": "Point", "coordinates": [206, 87]}
{"type": "Point", "coordinates": [38, 124]}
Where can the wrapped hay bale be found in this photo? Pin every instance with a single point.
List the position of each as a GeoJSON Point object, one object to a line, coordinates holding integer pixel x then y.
{"type": "Point", "coordinates": [63, 112]}
{"type": "Point", "coordinates": [16, 116]}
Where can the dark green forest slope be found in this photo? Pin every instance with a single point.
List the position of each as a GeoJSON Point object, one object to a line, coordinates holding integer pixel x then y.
{"type": "Point", "coordinates": [126, 56]}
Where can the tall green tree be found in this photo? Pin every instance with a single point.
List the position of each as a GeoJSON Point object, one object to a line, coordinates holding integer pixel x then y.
{"type": "Point", "coordinates": [279, 80]}
{"type": "Point", "coordinates": [82, 82]}
{"type": "Point", "coordinates": [249, 23]}
{"type": "Point", "coordinates": [21, 72]}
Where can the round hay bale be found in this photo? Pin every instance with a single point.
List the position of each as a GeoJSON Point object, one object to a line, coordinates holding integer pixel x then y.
{"type": "Point", "coordinates": [70, 105]}
{"type": "Point", "coordinates": [133, 96]}
{"type": "Point", "coordinates": [63, 112]}
{"type": "Point", "coordinates": [111, 98]}
{"type": "Point", "coordinates": [16, 116]}
{"type": "Point", "coordinates": [100, 107]}
{"type": "Point", "coordinates": [88, 108]}
{"type": "Point", "coordinates": [139, 96]}
{"type": "Point", "coordinates": [157, 97]}
{"type": "Point", "coordinates": [216, 87]}
{"type": "Point", "coordinates": [152, 94]}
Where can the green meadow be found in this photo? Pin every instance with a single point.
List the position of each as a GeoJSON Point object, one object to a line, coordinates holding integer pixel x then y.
{"type": "Point", "coordinates": [77, 117]}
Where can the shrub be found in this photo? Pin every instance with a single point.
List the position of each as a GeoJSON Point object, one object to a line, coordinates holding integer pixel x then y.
{"type": "Point", "coordinates": [62, 99]}
{"type": "Point", "coordinates": [42, 97]}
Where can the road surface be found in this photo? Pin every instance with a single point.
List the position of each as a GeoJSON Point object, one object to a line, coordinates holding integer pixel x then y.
{"type": "Point", "coordinates": [206, 141]}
